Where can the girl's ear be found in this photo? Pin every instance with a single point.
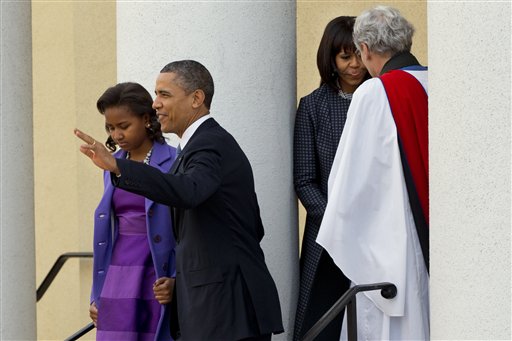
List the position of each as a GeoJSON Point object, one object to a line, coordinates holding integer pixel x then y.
{"type": "Point", "coordinates": [147, 120]}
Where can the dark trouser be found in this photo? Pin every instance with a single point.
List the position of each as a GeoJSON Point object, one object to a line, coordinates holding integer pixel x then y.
{"type": "Point", "coordinates": [329, 285]}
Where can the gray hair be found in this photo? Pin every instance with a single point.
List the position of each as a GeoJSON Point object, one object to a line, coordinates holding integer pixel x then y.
{"type": "Point", "coordinates": [191, 76]}
{"type": "Point", "coordinates": [384, 30]}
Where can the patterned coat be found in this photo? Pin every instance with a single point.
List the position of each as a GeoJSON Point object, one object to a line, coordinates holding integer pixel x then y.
{"type": "Point", "coordinates": [318, 126]}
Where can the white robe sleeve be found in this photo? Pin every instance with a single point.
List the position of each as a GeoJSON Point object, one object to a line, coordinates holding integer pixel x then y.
{"type": "Point", "coordinates": [365, 224]}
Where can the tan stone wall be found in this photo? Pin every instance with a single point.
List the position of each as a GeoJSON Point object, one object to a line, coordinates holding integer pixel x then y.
{"type": "Point", "coordinates": [74, 60]}
{"type": "Point", "coordinates": [313, 16]}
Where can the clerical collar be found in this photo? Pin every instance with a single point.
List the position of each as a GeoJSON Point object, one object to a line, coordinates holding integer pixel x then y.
{"type": "Point", "coordinates": [187, 134]}
{"type": "Point", "coordinates": [398, 61]}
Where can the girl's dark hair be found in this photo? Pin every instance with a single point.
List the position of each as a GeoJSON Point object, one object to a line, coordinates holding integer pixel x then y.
{"type": "Point", "coordinates": [138, 100]}
{"type": "Point", "coordinates": [337, 36]}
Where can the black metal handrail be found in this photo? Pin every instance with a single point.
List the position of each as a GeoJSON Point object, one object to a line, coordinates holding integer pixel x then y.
{"type": "Point", "coordinates": [388, 290]}
{"type": "Point", "coordinates": [47, 281]}
{"type": "Point", "coordinates": [81, 332]}
{"type": "Point", "coordinates": [55, 270]}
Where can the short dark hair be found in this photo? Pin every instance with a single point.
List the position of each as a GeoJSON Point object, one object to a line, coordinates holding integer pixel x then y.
{"type": "Point", "coordinates": [192, 76]}
{"type": "Point", "coordinates": [135, 97]}
{"type": "Point", "coordinates": [337, 36]}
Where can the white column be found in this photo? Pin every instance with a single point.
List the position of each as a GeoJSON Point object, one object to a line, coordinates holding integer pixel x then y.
{"type": "Point", "coordinates": [249, 47]}
{"type": "Point", "coordinates": [470, 169]}
{"type": "Point", "coordinates": [17, 285]}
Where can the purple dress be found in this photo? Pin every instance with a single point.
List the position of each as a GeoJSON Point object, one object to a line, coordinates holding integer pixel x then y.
{"type": "Point", "coordinates": [127, 308]}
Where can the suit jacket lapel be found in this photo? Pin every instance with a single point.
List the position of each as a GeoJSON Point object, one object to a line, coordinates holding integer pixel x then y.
{"type": "Point", "coordinates": [176, 212]}
{"type": "Point", "coordinates": [203, 127]}
{"type": "Point", "coordinates": [176, 164]}
{"type": "Point", "coordinates": [159, 156]}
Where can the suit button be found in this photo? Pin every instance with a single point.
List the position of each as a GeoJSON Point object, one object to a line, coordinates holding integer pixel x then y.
{"type": "Point", "coordinates": [150, 213]}
{"type": "Point", "coordinates": [157, 238]}
{"type": "Point", "coordinates": [164, 267]}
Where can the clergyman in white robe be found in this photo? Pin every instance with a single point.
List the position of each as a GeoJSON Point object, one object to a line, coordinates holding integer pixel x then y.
{"type": "Point", "coordinates": [368, 227]}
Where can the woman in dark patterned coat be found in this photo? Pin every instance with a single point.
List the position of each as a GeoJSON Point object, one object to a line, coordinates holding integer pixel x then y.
{"type": "Point", "coordinates": [318, 125]}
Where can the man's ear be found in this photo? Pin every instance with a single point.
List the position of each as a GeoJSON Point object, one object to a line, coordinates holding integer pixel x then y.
{"type": "Point", "coordinates": [198, 98]}
{"type": "Point", "coordinates": [365, 50]}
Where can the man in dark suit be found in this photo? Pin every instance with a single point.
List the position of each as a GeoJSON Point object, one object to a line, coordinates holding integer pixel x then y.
{"type": "Point", "coordinates": [223, 289]}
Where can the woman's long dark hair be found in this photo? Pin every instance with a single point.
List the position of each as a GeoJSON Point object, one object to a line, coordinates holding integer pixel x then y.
{"type": "Point", "coordinates": [138, 100]}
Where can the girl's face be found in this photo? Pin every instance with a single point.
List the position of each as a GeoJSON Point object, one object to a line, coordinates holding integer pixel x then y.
{"type": "Point", "coordinates": [126, 128]}
{"type": "Point", "coordinates": [351, 70]}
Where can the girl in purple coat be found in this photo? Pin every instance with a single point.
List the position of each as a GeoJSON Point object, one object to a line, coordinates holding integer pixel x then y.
{"type": "Point", "coordinates": [134, 267]}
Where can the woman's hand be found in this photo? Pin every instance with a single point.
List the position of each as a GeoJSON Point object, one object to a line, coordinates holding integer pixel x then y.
{"type": "Point", "coordinates": [93, 313]}
{"type": "Point", "coordinates": [163, 289]}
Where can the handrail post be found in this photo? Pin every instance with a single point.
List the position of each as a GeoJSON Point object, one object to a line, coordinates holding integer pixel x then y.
{"type": "Point", "coordinates": [352, 320]}
{"type": "Point", "coordinates": [387, 290]}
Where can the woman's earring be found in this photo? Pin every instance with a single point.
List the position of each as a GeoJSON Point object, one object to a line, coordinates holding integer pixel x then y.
{"type": "Point", "coordinates": [148, 125]}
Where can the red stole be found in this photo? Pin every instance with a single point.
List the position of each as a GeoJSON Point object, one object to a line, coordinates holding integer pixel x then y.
{"type": "Point", "coordinates": [409, 104]}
